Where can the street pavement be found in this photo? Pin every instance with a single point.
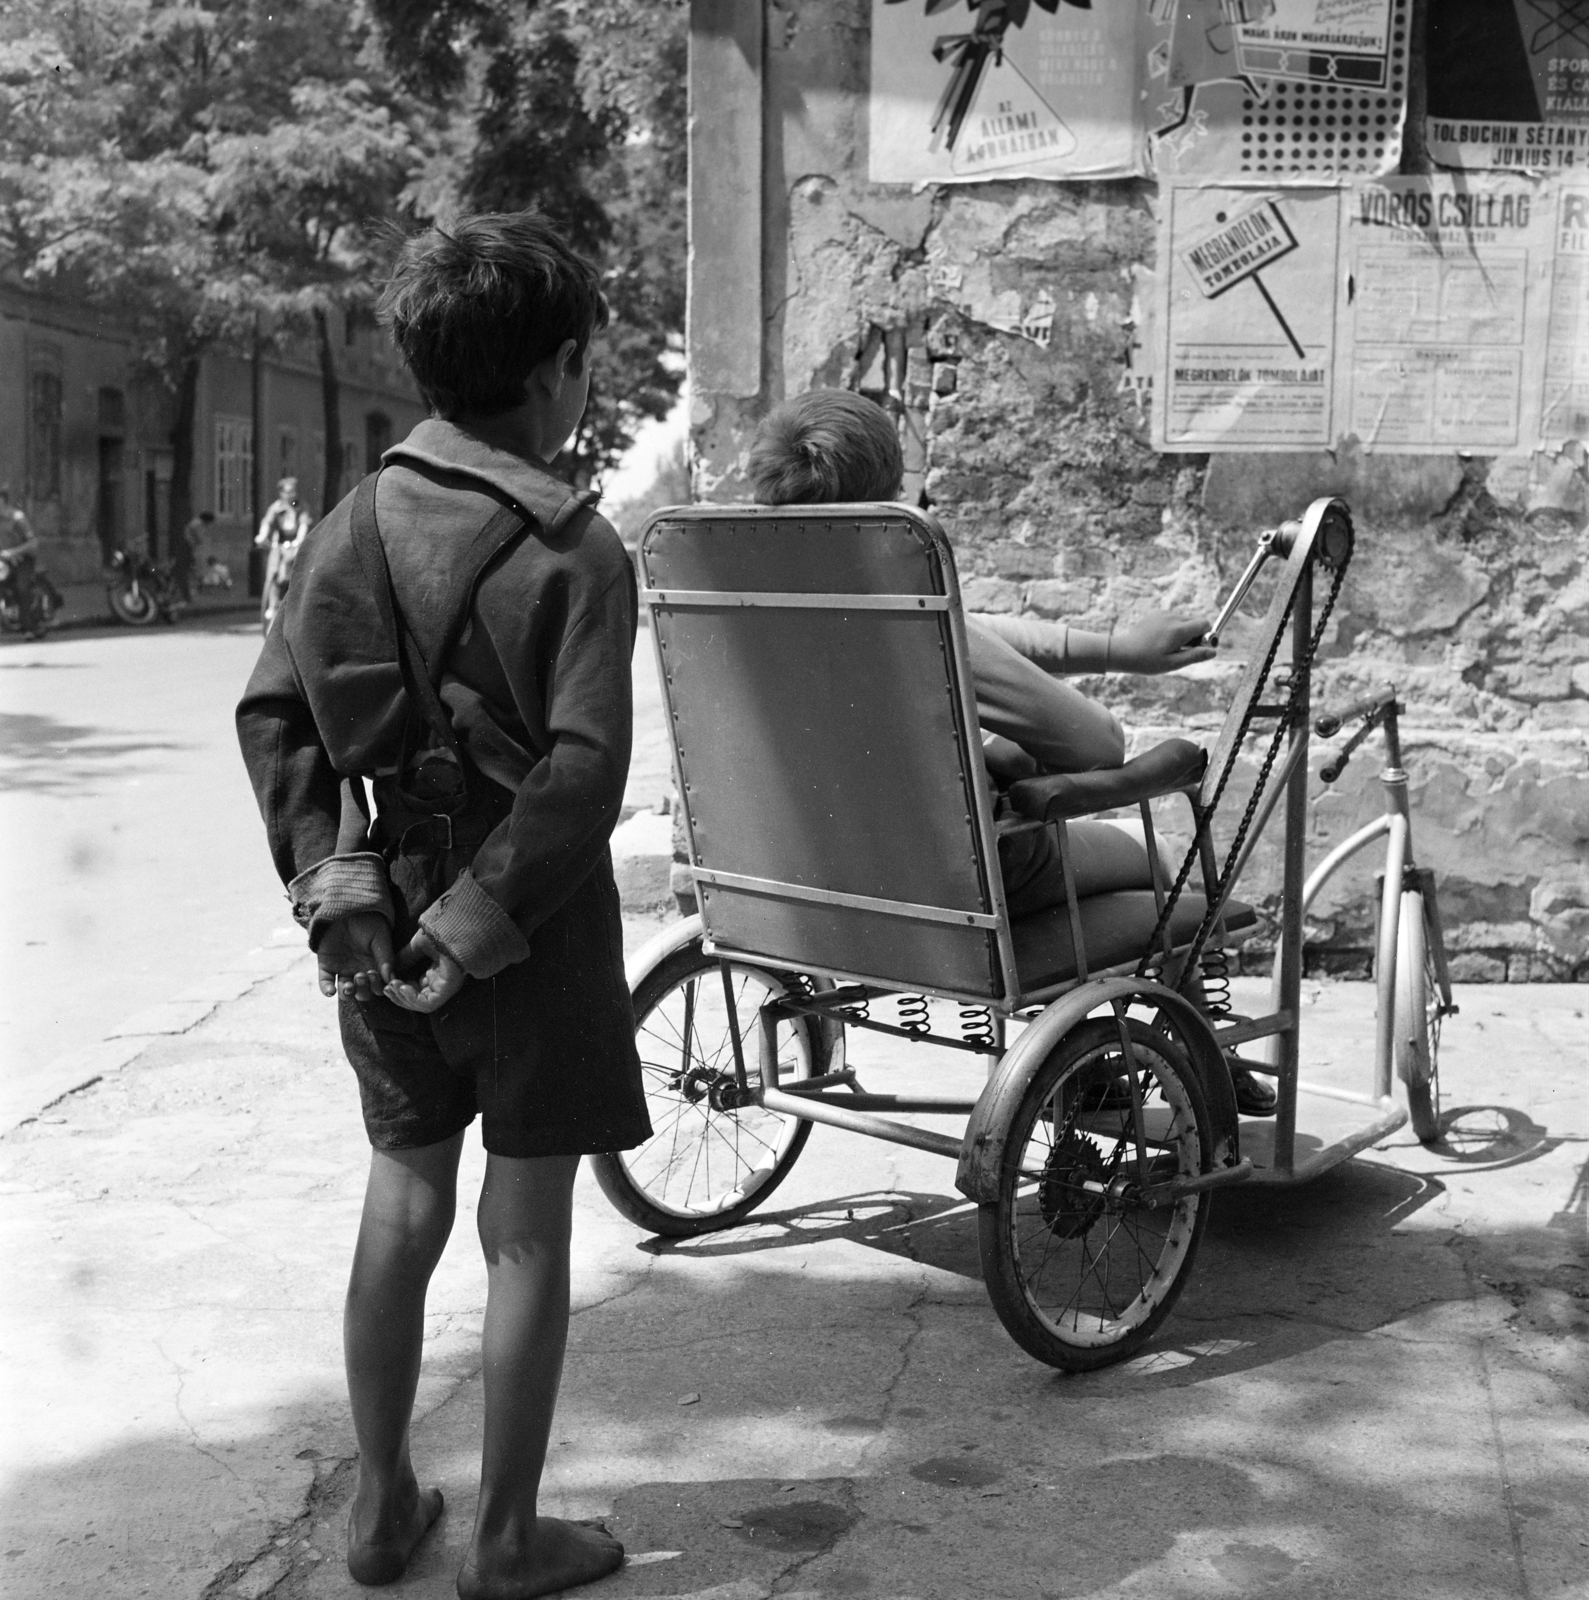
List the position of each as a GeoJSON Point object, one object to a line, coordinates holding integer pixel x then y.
{"type": "Point", "coordinates": [135, 868]}
{"type": "Point", "coordinates": [1374, 1386]}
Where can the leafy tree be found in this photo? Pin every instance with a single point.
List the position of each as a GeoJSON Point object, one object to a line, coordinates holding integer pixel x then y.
{"type": "Point", "coordinates": [197, 166]}
{"type": "Point", "coordinates": [577, 109]}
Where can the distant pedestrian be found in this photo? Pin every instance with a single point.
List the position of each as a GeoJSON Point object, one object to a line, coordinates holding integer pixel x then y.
{"type": "Point", "coordinates": [467, 656]}
{"type": "Point", "coordinates": [19, 545]}
{"type": "Point", "coordinates": [189, 551]}
{"type": "Point", "coordinates": [281, 532]}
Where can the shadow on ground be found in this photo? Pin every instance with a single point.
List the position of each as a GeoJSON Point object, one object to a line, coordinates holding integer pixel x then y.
{"type": "Point", "coordinates": [47, 756]}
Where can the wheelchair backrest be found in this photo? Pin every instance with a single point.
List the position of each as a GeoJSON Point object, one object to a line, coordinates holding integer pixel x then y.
{"type": "Point", "coordinates": [829, 762]}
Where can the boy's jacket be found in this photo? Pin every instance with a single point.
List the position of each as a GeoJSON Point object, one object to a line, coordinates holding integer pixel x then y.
{"type": "Point", "coordinates": [538, 688]}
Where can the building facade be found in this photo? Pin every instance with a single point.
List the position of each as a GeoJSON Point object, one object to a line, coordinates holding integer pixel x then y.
{"type": "Point", "coordinates": [1027, 432]}
{"type": "Point", "coordinates": [86, 441]}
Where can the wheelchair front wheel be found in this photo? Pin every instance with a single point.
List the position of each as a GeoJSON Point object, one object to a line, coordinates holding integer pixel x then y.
{"type": "Point", "coordinates": [709, 1161]}
{"type": "Point", "coordinates": [1418, 1019]}
{"type": "Point", "coordinates": [1079, 1268]}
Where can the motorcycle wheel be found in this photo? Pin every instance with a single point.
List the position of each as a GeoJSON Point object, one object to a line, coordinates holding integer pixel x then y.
{"type": "Point", "coordinates": [40, 615]}
{"type": "Point", "coordinates": [134, 607]}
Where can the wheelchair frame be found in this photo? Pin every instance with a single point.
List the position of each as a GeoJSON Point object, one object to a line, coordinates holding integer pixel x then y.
{"type": "Point", "coordinates": [1163, 980]}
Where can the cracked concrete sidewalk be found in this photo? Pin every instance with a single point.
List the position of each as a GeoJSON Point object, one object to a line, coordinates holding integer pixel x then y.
{"type": "Point", "coordinates": [1374, 1385]}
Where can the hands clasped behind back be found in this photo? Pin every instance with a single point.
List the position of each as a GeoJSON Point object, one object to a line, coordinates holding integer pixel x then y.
{"type": "Point", "coordinates": [356, 961]}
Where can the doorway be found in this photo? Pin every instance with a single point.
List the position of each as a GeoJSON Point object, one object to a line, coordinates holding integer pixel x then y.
{"type": "Point", "coordinates": [112, 521]}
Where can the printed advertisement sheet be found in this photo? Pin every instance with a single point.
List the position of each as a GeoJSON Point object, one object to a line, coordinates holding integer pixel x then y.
{"type": "Point", "coordinates": [1413, 314]}
{"type": "Point", "coordinates": [961, 94]}
{"type": "Point", "coordinates": [1278, 90]}
{"type": "Point", "coordinates": [1442, 329]}
{"type": "Point", "coordinates": [1509, 84]}
{"type": "Point", "coordinates": [1246, 318]}
{"type": "Point", "coordinates": [1564, 400]}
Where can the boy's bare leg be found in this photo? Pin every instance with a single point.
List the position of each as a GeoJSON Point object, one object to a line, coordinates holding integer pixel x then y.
{"type": "Point", "coordinates": [525, 1215]}
{"type": "Point", "coordinates": [408, 1211]}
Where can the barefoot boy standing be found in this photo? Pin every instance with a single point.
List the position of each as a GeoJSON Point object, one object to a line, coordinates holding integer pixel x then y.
{"type": "Point", "coordinates": [457, 638]}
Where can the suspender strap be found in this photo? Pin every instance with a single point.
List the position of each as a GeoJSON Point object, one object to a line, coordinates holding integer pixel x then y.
{"type": "Point", "coordinates": [420, 675]}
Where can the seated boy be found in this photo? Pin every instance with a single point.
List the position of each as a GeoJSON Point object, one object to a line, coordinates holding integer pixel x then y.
{"type": "Point", "coordinates": [833, 445]}
{"type": "Point", "coordinates": [486, 863]}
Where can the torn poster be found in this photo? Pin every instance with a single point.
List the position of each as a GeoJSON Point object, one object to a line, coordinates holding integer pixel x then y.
{"type": "Point", "coordinates": [1509, 84]}
{"type": "Point", "coordinates": [971, 90]}
{"type": "Point", "coordinates": [1245, 323]}
{"type": "Point", "coordinates": [1286, 91]}
{"type": "Point", "coordinates": [1416, 315]}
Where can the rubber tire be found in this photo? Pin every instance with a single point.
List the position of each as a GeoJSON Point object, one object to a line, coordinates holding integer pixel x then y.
{"type": "Point", "coordinates": [39, 616]}
{"type": "Point", "coordinates": [1417, 1029]}
{"type": "Point", "coordinates": [613, 1171]}
{"type": "Point", "coordinates": [136, 613]}
{"type": "Point", "coordinates": [1001, 1272]}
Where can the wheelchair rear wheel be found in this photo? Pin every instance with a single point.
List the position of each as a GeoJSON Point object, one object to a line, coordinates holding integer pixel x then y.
{"type": "Point", "coordinates": [1079, 1268]}
{"type": "Point", "coordinates": [710, 1160]}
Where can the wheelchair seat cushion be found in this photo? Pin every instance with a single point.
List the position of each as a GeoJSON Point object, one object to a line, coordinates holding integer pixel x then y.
{"type": "Point", "coordinates": [1115, 928]}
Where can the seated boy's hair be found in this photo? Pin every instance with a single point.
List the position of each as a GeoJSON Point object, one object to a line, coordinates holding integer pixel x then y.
{"type": "Point", "coordinates": [477, 307]}
{"type": "Point", "coordinates": [829, 444]}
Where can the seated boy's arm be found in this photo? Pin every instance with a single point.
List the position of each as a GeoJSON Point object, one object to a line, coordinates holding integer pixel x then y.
{"type": "Point", "coordinates": [1056, 724]}
{"type": "Point", "coordinates": [568, 804]}
{"type": "Point", "coordinates": [1161, 641]}
{"type": "Point", "coordinates": [314, 819]}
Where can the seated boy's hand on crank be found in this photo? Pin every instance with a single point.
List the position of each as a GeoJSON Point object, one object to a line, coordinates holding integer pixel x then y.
{"type": "Point", "coordinates": [1160, 642]}
{"type": "Point", "coordinates": [355, 956]}
{"type": "Point", "coordinates": [427, 976]}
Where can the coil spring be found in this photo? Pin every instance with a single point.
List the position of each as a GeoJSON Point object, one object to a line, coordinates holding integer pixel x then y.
{"type": "Point", "coordinates": [859, 1009]}
{"type": "Point", "coordinates": [799, 985]}
{"type": "Point", "coordinates": [1214, 972]}
{"type": "Point", "coordinates": [976, 1026]}
{"type": "Point", "coordinates": [913, 1016]}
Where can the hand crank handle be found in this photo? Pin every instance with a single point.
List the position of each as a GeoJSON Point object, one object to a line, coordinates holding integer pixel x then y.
{"type": "Point", "coordinates": [1271, 542]}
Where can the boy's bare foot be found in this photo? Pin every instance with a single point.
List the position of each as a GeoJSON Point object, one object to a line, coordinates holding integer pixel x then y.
{"type": "Point", "coordinates": [382, 1553]}
{"type": "Point", "coordinates": [560, 1555]}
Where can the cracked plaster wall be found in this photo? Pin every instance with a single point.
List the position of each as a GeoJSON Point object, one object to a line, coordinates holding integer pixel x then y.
{"type": "Point", "coordinates": [1000, 324]}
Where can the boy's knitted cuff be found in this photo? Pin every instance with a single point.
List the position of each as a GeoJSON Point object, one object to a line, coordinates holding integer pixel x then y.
{"type": "Point", "coordinates": [338, 887]}
{"type": "Point", "coordinates": [473, 929]}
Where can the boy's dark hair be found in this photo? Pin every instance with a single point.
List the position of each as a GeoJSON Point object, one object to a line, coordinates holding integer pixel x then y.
{"type": "Point", "coordinates": [829, 444]}
{"type": "Point", "coordinates": [475, 308]}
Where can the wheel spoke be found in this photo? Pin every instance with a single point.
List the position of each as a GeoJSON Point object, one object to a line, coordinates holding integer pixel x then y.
{"type": "Point", "coordinates": [1096, 1270]}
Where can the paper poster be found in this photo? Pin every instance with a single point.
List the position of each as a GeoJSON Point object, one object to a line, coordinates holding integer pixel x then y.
{"type": "Point", "coordinates": [966, 91]}
{"type": "Point", "coordinates": [1509, 84]}
{"type": "Point", "coordinates": [1283, 90]}
{"type": "Point", "coordinates": [1442, 322]}
{"type": "Point", "coordinates": [1416, 315]}
{"type": "Point", "coordinates": [1246, 323]}
{"type": "Point", "coordinates": [1564, 398]}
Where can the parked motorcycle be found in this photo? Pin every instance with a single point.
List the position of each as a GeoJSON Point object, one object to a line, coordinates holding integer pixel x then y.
{"type": "Point", "coordinates": [141, 591]}
{"type": "Point", "coordinates": [26, 607]}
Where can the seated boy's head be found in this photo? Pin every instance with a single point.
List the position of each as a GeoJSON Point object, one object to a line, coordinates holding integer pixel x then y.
{"type": "Point", "coordinates": [477, 307]}
{"type": "Point", "coordinates": [829, 444]}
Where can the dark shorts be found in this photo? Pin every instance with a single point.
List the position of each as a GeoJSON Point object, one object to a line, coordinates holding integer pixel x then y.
{"type": "Point", "coordinates": [544, 1051]}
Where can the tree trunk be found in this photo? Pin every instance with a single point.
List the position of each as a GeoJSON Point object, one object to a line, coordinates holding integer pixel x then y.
{"type": "Point", "coordinates": [182, 451]}
{"type": "Point", "coordinates": [331, 408]}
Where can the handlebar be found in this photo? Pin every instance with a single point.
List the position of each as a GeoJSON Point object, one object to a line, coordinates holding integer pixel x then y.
{"type": "Point", "coordinates": [1328, 723]}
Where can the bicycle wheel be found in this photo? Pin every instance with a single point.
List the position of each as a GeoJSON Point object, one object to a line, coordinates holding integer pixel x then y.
{"type": "Point", "coordinates": [710, 1160]}
{"type": "Point", "coordinates": [1079, 1268]}
{"type": "Point", "coordinates": [1418, 1018]}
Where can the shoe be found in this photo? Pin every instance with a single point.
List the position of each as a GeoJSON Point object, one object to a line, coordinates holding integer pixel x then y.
{"type": "Point", "coordinates": [1255, 1096]}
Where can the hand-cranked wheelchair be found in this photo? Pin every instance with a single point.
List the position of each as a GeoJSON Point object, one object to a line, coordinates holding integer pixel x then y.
{"type": "Point", "coordinates": [844, 843]}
